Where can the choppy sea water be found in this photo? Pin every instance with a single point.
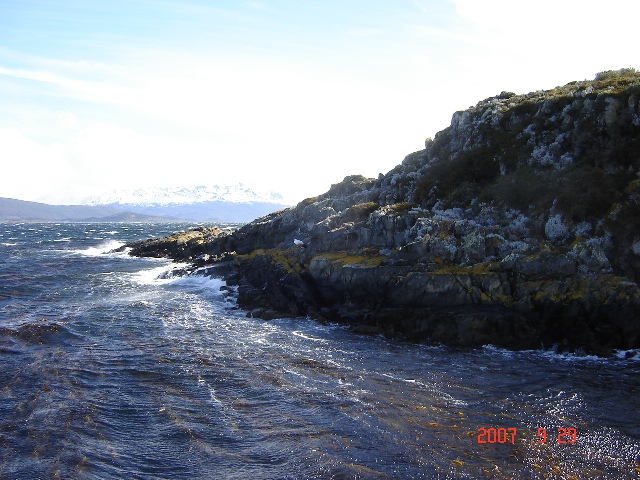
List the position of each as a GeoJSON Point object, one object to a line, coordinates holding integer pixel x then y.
{"type": "Point", "coordinates": [111, 368]}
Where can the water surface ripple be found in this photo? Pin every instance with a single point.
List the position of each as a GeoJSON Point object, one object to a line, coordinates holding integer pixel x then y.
{"type": "Point", "coordinates": [110, 369]}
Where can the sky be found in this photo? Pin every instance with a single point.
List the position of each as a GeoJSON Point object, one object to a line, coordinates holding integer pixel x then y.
{"type": "Point", "coordinates": [281, 95]}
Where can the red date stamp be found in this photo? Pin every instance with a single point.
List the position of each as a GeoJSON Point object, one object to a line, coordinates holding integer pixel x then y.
{"type": "Point", "coordinates": [497, 435]}
{"type": "Point", "coordinates": [565, 435]}
{"type": "Point", "coordinates": [508, 435]}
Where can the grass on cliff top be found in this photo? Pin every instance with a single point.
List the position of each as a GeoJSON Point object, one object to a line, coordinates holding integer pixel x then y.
{"type": "Point", "coordinates": [610, 82]}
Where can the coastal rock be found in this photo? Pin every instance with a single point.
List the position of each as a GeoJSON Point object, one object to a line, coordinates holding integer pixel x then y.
{"type": "Point", "coordinates": [179, 246]}
{"type": "Point", "coordinates": [516, 225]}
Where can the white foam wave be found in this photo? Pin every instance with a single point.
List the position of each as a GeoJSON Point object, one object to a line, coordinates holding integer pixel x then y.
{"type": "Point", "coordinates": [493, 350]}
{"type": "Point", "coordinates": [105, 248]}
{"type": "Point", "coordinates": [198, 282]}
{"type": "Point", "coordinates": [554, 355]}
{"type": "Point", "coordinates": [207, 287]}
{"type": "Point", "coordinates": [632, 355]}
{"type": "Point", "coordinates": [173, 275]}
{"type": "Point", "coordinates": [298, 333]}
{"type": "Point", "coordinates": [159, 275]}
{"type": "Point", "coordinates": [572, 356]}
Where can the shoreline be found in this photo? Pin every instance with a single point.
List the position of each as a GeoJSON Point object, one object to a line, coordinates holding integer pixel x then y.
{"type": "Point", "coordinates": [518, 225]}
{"type": "Point", "coordinates": [450, 306]}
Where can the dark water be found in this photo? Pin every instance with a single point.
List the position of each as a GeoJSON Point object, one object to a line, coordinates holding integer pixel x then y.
{"type": "Point", "coordinates": [109, 372]}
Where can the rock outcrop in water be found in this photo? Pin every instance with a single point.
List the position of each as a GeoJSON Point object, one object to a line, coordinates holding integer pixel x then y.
{"type": "Point", "coordinates": [518, 225]}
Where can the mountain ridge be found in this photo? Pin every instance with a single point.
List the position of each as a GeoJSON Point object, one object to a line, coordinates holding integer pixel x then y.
{"type": "Point", "coordinates": [235, 203]}
{"type": "Point", "coordinates": [165, 196]}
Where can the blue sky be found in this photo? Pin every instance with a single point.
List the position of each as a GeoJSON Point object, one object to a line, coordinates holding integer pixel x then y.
{"type": "Point", "coordinates": [289, 96]}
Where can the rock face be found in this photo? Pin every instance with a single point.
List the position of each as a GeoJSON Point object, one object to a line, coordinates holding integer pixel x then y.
{"type": "Point", "coordinates": [518, 225]}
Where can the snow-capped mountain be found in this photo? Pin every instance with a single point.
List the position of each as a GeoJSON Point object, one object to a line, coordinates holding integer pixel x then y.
{"type": "Point", "coordinates": [165, 196]}
{"type": "Point", "coordinates": [234, 203]}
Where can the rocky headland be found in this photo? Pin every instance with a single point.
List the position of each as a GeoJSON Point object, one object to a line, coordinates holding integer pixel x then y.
{"type": "Point", "coordinates": [517, 226]}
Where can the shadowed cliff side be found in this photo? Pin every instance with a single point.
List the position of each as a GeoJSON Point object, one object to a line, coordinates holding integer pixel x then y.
{"type": "Point", "coordinates": [518, 225]}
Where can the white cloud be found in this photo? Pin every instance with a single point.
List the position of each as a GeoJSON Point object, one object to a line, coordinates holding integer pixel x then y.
{"type": "Point", "coordinates": [30, 168]}
{"type": "Point", "coordinates": [524, 46]}
{"type": "Point", "coordinates": [567, 27]}
{"type": "Point", "coordinates": [225, 123]}
{"type": "Point", "coordinates": [544, 15]}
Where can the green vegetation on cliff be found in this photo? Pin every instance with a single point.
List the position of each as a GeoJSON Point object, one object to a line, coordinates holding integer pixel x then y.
{"type": "Point", "coordinates": [575, 147]}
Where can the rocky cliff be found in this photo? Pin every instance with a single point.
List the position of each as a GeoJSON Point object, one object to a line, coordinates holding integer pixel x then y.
{"type": "Point", "coordinates": [518, 225]}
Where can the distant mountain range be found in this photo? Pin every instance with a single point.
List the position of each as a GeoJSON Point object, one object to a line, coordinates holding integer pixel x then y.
{"type": "Point", "coordinates": [171, 196]}
{"type": "Point", "coordinates": [236, 203]}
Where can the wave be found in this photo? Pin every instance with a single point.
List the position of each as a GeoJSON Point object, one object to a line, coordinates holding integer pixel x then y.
{"type": "Point", "coordinates": [199, 281]}
{"type": "Point", "coordinates": [553, 354]}
{"type": "Point", "coordinates": [110, 247]}
{"type": "Point", "coordinates": [160, 275]}
{"type": "Point", "coordinates": [174, 275]}
{"type": "Point", "coordinates": [633, 355]}
{"type": "Point", "coordinates": [618, 355]}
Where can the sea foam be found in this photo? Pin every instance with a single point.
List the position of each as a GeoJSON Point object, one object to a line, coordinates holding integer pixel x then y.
{"type": "Point", "coordinates": [173, 275]}
{"type": "Point", "coordinates": [104, 248]}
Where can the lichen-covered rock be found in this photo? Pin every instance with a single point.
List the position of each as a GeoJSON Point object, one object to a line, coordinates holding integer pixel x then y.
{"type": "Point", "coordinates": [555, 230]}
{"type": "Point", "coordinates": [180, 246]}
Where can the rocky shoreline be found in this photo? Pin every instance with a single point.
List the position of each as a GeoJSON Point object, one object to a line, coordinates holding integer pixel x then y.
{"type": "Point", "coordinates": [517, 226]}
